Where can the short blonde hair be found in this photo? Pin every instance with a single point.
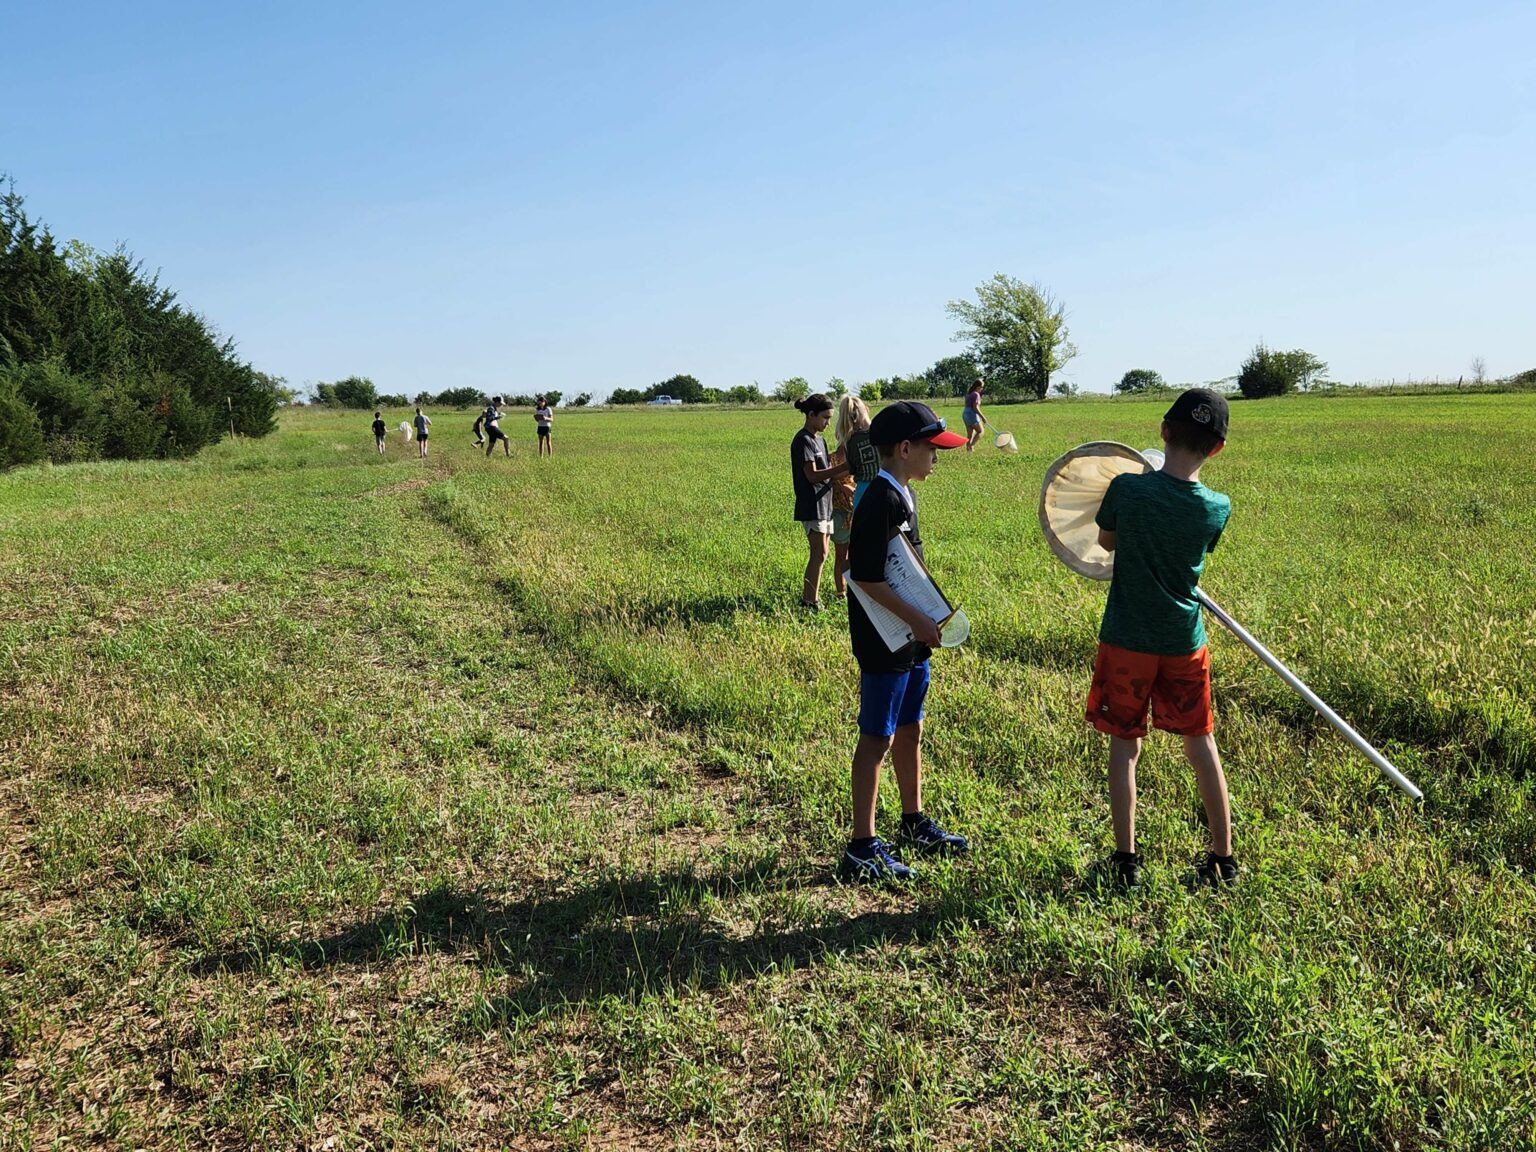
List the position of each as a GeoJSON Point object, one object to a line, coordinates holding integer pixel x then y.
{"type": "Point", "coordinates": [850, 411]}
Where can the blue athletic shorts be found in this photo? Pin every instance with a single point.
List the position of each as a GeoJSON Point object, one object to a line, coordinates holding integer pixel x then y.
{"type": "Point", "coordinates": [891, 700]}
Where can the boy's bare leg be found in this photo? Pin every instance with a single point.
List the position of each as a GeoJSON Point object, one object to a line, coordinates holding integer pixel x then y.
{"type": "Point", "coordinates": [1123, 755]}
{"type": "Point", "coordinates": [813, 567]}
{"type": "Point", "coordinates": [840, 569]}
{"type": "Point", "coordinates": [907, 760]}
{"type": "Point", "coordinates": [867, 755]}
{"type": "Point", "coordinates": [1206, 761]}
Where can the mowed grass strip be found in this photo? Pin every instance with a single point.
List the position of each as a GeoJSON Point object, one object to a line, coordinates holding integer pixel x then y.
{"type": "Point", "coordinates": [494, 802]}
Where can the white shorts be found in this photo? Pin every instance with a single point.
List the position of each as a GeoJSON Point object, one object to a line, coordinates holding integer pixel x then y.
{"type": "Point", "coordinates": [817, 527]}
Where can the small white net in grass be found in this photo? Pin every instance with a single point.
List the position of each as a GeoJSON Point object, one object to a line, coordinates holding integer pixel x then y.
{"type": "Point", "coordinates": [1074, 488]}
{"type": "Point", "coordinates": [405, 430]}
{"type": "Point", "coordinates": [1004, 440]}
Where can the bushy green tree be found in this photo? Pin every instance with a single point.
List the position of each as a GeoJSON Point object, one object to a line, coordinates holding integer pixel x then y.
{"type": "Point", "coordinates": [745, 394]}
{"type": "Point", "coordinates": [121, 369]}
{"type": "Point", "coordinates": [581, 400]}
{"type": "Point", "coordinates": [952, 376]}
{"type": "Point", "coordinates": [871, 390]}
{"type": "Point", "coordinates": [682, 387]}
{"type": "Point", "coordinates": [1017, 333]}
{"type": "Point", "coordinates": [836, 388]}
{"type": "Point", "coordinates": [626, 396]}
{"type": "Point", "coordinates": [1140, 380]}
{"type": "Point", "coordinates": [1270, 373]}
{"type": "Point", "coordinates": [464, 397]}
{"type": "Point", "coordinates": [793, 389]}
{"type": "Point", "coordinates": [21, 433]}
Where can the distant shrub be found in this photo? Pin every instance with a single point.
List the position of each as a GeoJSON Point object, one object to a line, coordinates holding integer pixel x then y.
{"type": "Point", "coordinates": [872, 390]}
{"type": "Point", "coordinates": [626, 396]}
{"type": "Point", "coordinates": [1270, 373]}
{"type": "Point", "coordinates": [457, 398]}
{"type": "Point", "coordinates": [681, 387]}
{"type": "Point", "coordinates": [393, 400]}
{"type": "Point", "coordinates": [745, 394]}
{"type": "Point", "coordinates": [793, 389]}
{"type": "Point", "coordinates": [581, 400]}
{"type": "Point", "coordinates": [1140, 380]}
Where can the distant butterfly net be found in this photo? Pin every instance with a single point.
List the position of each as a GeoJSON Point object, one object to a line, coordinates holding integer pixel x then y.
{"type": "Point", "coordinates": [1074, 488]}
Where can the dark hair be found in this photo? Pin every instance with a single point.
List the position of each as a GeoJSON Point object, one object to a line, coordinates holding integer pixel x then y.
{"type": "Point", "coordinates": [815, 402]}
{"type": "Point", "coordinates": [375, 413]}
{"type": "Point", "coordinates": [1192, 437]}
{"type": "Point", "coordinates": [539, 400]}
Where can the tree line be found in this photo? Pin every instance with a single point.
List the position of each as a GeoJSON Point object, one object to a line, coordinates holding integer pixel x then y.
{"type": "Point", "coordinates": [98, 360]}
{"type": "Point", "coordinates": [360, 392]}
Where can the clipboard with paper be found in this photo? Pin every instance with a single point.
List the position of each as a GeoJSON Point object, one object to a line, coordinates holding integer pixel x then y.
{"type": "Point", "coordinates": [907, 577]}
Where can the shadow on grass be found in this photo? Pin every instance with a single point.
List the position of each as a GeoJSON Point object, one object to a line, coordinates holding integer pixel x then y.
{"type": "Point", "coordinates": [621, 938]}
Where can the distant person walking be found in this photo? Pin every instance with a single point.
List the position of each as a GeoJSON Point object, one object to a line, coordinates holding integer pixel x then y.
{"type": "Point", "coordinates": [813, 473]}
{"type": "Point", "coordinates": [971, 415]}
{"type": "Point", "coordinates": [479, 423]}
{"type": "Point", "coordinates": [545, 419]}
{"type": "Point", "coordinates": [493, 430]}
{"type": "Point", "coordinates": [423, 422]}
{"type": "Point", "coordinates": [379, 431]}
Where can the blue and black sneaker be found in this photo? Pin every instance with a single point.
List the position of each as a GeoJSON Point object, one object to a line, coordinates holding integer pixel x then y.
{"type": "Point", "coordinates": [922, 833]}
{"type": "Point", "coordinates": [872, 862]}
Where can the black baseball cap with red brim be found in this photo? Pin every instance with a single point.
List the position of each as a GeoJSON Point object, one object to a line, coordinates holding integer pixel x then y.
{"type": "Point", "coordinates": [909, 420]}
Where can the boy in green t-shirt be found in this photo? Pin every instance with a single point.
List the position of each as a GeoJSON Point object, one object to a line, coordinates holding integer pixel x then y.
{"type": "Point", "coordinates": [1160, 526]}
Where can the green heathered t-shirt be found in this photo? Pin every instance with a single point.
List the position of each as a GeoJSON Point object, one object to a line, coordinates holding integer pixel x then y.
{"type": "Point", "coordinates": [1163, 529]}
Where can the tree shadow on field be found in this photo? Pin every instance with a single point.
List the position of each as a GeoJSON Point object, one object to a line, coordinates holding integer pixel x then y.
{"type": "Point", "coordinates": [624, 937]}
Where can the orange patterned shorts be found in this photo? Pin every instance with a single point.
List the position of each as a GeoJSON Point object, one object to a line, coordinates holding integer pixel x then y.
{"type": "Point", "coordinates": [1126, 683]}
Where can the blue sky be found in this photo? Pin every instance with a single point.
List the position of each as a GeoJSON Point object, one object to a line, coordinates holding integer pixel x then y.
{"type": "Point", "coordinates": [592, 196]}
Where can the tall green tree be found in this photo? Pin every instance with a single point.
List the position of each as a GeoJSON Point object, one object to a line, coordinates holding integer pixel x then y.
{"type": "Point", "coordinates": [1017, 332]}
{"type": "Point", "coordinates": [106, 358]}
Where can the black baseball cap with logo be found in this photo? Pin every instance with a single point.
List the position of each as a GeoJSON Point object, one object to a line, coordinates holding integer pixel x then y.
{"type": "Point", "coordinates": [909, 420]}
{"type": "Point", "coordinates": [1202, 408]}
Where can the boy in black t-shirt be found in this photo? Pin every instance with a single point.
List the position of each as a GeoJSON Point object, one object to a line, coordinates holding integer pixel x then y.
{"type": "Point", "coordinates": [892, 685]}
{"type": "Point", "coordinates": [378, 431]}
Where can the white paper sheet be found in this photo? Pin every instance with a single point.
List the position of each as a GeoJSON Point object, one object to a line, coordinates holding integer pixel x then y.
{"type": "Point", "coordinates": [910, 580]}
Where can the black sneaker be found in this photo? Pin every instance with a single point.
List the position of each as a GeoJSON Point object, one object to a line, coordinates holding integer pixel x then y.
{"type": "Point", "coordinates": [872, 863]}
{"type": "Point", "coordinates": [931, 840]}
{"type": "Point", "coordinates": [1213, 871]}
{"type": "Point", "coordinates": [1119, 870]}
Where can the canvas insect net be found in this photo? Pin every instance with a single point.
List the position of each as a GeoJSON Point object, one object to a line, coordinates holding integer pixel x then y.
{"type": "Point", "coordinates": [1070, 497]}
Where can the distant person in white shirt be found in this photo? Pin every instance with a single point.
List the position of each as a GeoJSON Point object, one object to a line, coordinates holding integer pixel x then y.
{"type": "Point", "coordinates": [545, 419]}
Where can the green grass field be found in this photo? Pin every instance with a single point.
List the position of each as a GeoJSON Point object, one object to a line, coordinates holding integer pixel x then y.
{"type": "Point", "coordinates": [355, 802]}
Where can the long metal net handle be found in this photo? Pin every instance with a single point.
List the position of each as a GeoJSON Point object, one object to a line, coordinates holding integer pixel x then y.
{"type": "Point", "coordinates": [1312, 698]}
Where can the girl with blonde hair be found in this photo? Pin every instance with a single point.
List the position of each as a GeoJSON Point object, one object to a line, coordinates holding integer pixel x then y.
{"type": "Point", "coordinates": [853, 450]}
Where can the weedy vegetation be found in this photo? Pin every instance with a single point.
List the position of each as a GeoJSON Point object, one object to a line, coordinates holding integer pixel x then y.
{"type": "Point", "coordinates": [358, 802]}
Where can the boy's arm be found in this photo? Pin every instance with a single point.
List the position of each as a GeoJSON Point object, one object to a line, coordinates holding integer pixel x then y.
{"type": "Point", "coordinates": [924, 630]}
{"type": "Point", "coordinates": [816, 475]}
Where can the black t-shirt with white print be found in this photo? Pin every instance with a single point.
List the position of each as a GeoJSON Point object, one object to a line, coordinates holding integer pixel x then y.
{"type": "Point", "coordinates": [882, 512]}
{"type": "Point", "coordinates": [812, 501]}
